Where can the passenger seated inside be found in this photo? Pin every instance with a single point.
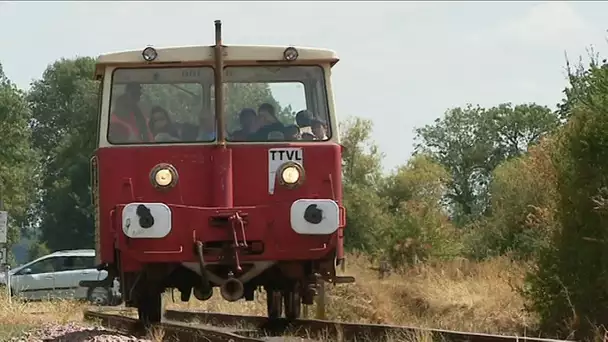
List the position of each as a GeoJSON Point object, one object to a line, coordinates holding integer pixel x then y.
{"type": "Point", "coordinates": [127, 122]}
{"type": "Point", "coordinates": [303, 120]}
{"type": "Point", "coordinates": [319, 128]}
{"type": "Point", "coordinates": [247, 119]}
{"type": "Point", "coordinates": [292, 132]}
{"type": "Point", "coordinates": [161, 126]}
{"type": "Point", "coordinates": [268, 122]}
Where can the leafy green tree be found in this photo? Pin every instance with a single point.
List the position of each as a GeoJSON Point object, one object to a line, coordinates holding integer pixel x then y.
{"type": "Point", "coordinates": [568, 289]}
{"type": "Point", "coordinates": [471, 141]}
{"type": "Point", "coordinates": [37, 250]}
{"type": "Point", "coordinates": [516, 128]}
{"type": "Point", "coordinates": [361, 158]}
{"type": "Point", "coordinates": [420, 228]}
{"type": "Point", "coordinates": [17, 160]}
{"type": "Point", "coordinates": [361, 175]}
{"type": "Point", "coordinates": [64, 105]}
{"type": "Point", "coordinates": [523, 199]}
{"type": "Point", "coordinates": [60, 102]}
{"type": "Point", "coordinates": [462, 141]}
{"type": "Point", "coordinates": [579, 83]}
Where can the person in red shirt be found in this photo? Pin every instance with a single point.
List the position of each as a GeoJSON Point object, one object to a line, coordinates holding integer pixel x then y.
{"type": "Point", "coordinates": [127, 123]}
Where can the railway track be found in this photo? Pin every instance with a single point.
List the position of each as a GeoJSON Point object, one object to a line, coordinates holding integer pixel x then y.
{"type": "Point", "coordinates": [170, 331]}
{"type": "Point", "coordinates": [205, 326]}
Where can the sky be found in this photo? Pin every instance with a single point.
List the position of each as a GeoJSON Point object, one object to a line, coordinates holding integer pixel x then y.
{"type": "Point", "coordinates": [402, 64]}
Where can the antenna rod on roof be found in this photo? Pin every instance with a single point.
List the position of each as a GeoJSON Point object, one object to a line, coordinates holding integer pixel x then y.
{"type": "Point", "coordinates": [219, 84]}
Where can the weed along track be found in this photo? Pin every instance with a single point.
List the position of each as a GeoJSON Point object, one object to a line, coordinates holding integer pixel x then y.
{"type": "Point", "coordinates": [165, 331]}
{"type": "Point", "coordinates": [206, 326]}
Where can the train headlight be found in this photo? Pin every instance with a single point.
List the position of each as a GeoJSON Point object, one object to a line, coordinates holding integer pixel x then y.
{"type": "Point", "coordinates": [149, 54]}
{"type": "Point", "coordinates": [290, 54]}
{"type": "Point", "coordinates": [291, 174]}
{"type": "Point", "coordinates": [163, 176]}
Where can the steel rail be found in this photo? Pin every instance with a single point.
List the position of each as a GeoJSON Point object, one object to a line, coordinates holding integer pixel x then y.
{"type": "Point", "coordinates": [170, 331]}
{"type": "Point", "coordinates": [339, 330]}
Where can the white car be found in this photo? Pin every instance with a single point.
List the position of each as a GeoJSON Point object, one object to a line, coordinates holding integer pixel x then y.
{"type": "Point", "coordinates": [57, 276]}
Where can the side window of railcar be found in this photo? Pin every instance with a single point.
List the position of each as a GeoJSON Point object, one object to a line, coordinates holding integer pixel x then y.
{"type": "Point", "coordinates": [160, 105]}
{"type": "Point", "coordinates": [269, 103]}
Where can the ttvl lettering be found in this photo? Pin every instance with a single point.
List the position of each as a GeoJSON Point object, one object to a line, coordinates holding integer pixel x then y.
{"type": "Point", "coordinates": [286, 155]}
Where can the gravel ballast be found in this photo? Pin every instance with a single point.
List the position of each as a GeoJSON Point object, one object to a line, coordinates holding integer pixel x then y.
{"type": "Point", "coordinates": [74, 332]}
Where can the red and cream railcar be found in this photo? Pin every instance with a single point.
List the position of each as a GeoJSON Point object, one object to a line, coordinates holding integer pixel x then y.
{"type": "Point", "coordinates": [181, 202]}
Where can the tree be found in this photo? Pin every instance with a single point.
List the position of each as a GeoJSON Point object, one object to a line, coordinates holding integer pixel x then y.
{"type": "Point", "coordinates": [62, 102]}
{"type": "Point", "coordinates": [568, 289]}
{"type": "Point", "coordinates": [17, 160]}
{"type": "Point", "coordinates": [37, 250]}
{"type": "Point", "coordinates": [420, 228]}
{"type": "Point", "coordinates": [361, 158]}
{"type": "Point", "coordinates": [64, 105]}
{"type": "Point", "coordinates": [523, 199]}
{"type": "Point", "coordinates": [519, 127]}
{"type": "Point", "coordinates": [421, 179]}
{"type": "Point", "coordinates": [361, 176]}
{"type": "Point", "coordinates": [579, 77]}
{"type": "Point", "coordinates": [471, 141]}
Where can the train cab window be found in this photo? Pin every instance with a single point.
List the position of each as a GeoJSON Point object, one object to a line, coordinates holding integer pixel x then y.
{"type": "Point", "coordinates": [281, 93]}
{"type": "Point", "coordinates": [160, 105]}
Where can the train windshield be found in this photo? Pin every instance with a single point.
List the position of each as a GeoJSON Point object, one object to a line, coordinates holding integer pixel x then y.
{"type": "Point", "coordinates": [176, 105]}
{"type": "Point", "coordinates": [276, 103]}
{"type": "Point", "coordinates": [161, 105]}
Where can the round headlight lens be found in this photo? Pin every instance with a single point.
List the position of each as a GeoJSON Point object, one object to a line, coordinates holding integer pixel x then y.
{"type": "Point", "coordinates": [163, 177]}
{"type": "Point", "coordinates": [149, 54]}
{"type": "Point", "coordinates": [290, 54]}
{"type": "Point", "coordinates": [290, 175]}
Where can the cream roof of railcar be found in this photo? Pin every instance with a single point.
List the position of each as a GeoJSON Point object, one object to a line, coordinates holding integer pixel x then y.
{"type": "Point", "coordinates": [205, 53]}
{"type": "Point", "coordinates": [232, 53]}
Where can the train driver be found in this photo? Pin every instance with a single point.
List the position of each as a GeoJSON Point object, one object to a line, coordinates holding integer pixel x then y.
{"type": "Point", "coordinates": [127, 122]}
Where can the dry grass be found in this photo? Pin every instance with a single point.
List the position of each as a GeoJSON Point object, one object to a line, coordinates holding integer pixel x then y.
{"type": "Point", "coordinates": [18, 316]}
{"type": "Point", "coordinates": [456, 295]}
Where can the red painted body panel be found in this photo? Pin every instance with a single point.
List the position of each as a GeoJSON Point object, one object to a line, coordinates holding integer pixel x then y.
{"type": "Point", "coordinates": [124, 177]}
